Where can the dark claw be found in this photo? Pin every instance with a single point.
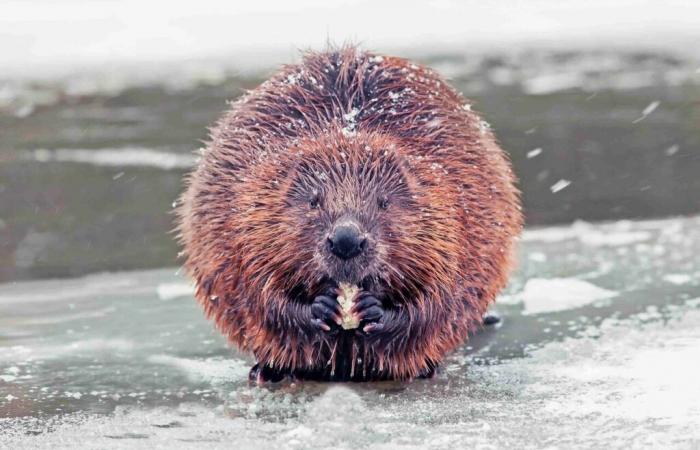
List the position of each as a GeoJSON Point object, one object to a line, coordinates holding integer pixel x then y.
{"type": "Point", "coordinates": [428, 372]}
{"type": "Point", "coordinates": [328, 301]}
{"type": "Point", "coordinates": [491, 318]}
{"type": "Point", "coordinates": [331, 291]}
{"type": "Point", "coordinates": [260, 375]}
{"type": "Point", "coordinates": [366, 301]}
{"type": "Point", "coordinates": [373, 327]}
{"type": "Point", "coordinates": [326, 313]}
{"type": "Point", "coordinates": [370, 312]}
{"type": "Point", "coordinates": [321, 324]}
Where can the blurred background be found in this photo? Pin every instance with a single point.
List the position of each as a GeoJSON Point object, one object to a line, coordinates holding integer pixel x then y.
{"type": "Point", "coordinates": [103, 104]}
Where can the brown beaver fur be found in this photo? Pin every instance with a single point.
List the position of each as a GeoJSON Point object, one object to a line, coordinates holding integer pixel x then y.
{"type": "Point", "coordinates": [388, 153]}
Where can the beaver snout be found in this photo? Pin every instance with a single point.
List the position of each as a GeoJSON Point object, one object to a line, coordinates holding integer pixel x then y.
{"type": "Point", "coordinates": [346, 241]}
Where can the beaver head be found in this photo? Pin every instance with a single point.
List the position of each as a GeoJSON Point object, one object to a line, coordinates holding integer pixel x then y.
{"type": "Point", "coordinates": [345, 208]}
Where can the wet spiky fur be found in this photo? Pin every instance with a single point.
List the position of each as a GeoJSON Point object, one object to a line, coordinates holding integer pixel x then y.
{"type": "Point", "coordinates": [350, 130]}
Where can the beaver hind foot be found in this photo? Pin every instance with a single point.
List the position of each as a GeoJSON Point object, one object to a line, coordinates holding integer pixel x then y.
{"type": "Point", "coordinates": [265, 374]}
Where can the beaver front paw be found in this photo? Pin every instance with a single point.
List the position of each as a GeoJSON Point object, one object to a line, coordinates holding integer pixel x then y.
{"type": "Point", "coordinates": [369, 311]}
{"type": "Point", "coordinates": [326, 313]}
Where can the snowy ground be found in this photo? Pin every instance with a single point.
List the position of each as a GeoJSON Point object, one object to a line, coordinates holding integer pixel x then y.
{"type": "Point", "coordinates": [599, 348]}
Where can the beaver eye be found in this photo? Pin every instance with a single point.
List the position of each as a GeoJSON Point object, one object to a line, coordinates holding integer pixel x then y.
{"type": "Point", "coordinates": [315, 200]}
{"type": "Point", "coordinates": [383, 202]}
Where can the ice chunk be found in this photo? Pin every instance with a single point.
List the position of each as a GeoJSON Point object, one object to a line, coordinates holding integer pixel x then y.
{"type": "Point", "coordinates": [169, 291]}
{"type": "Point", "coordinates": [545, 295]}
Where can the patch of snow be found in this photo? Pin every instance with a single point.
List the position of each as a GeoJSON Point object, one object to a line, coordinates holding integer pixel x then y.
{"type": "Point", "coordinates": [54, 319]}
{"type": "Point", "coordinates": [546, 295]}
{"type": "Point", "coordinates": [349, 129]}
{"type": "Point", "coordinates": [551, 83]}
{"type": "Point", "coordinates": [118, 157]}
{"type": "Point", "coordinates": [210, 369]}
{"type": "Point", "coordinates": [537, 256]}
{"type": "Point", "coordinates": [601, 239]}
{"type": "Point", "coordinates": [614, 235]}
{"type": "Point", "coordinates": [350, 117]}
{"type": "Point", "coordinates": [80, 347]}
{"type": "Point", "coordinates": [677, 278]}
{"type": "Point", "coordinates": [169, 291]}
{"type": "Point", "coordinates": [640, 374]}
{"type": "Point", "coordinates": [56, 291]}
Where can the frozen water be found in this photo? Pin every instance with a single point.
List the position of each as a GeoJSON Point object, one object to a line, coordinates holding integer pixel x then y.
{"type": "Point", "coordinates": [542, 295]}
{"type": "Point", "coordinates": [618, 233]}
{"type": "Point", "coordinates": [119, 157]}
{"type": "Point", "coordinates": [169, 291]}
{"type": "Point", "coordinates": [598, 348]}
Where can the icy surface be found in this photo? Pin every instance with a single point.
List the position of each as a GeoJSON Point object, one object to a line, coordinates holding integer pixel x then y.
{"type": "Point", "coordinates": [121, 157]}
{"type": "Point", "coordinates": [542, 295]}
{"type": "Point", "coordinates": [598, 348]}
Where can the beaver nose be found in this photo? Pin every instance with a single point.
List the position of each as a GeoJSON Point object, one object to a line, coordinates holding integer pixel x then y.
{"type": "Point", "coordinates": [346, 242]}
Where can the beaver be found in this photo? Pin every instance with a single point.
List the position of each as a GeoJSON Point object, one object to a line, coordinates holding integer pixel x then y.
{"type": "Point", "coordinates": [359, 169]}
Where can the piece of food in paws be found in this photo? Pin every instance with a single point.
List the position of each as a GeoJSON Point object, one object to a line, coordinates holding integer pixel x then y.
{"type": "Point", "coordinates": [347, 293]}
